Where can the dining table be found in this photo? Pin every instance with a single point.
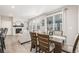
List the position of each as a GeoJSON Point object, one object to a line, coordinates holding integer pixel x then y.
{"type": "Point", "coordinates": [58, 41]}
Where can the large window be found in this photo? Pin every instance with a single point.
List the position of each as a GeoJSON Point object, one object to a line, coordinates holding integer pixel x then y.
{"type": "Point", "coordinates": [54, 22]}
{"type": "Point", "coordinates": [58, 22]}
{"type": "Point", "coordinates": [50, 23]}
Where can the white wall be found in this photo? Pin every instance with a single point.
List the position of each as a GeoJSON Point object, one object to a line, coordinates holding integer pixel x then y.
{"type": "Point", "coordinates": [70, 23]}
{"type": "Point", "coordinates": [78, 19]}
{"type": "Point", "coordinates": [78, 30]}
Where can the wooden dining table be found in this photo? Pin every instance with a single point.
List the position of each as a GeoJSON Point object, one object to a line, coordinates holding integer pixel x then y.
{"type": "Point", "coordinates": [58, 41]}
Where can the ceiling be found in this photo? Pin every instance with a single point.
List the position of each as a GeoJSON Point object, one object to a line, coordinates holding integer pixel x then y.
{"type": "Point", "coordinates": [26, 10]}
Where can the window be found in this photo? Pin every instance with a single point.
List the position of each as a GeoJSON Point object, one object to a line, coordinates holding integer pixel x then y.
{"type": "Point", "coordinates": [58, 22]}
{"type": "Point", "coordinates": [50, 23]}
{"type": "Point", "coordinates": [43, 22]}
{"type": "Point", "coordinates": [54, 22]}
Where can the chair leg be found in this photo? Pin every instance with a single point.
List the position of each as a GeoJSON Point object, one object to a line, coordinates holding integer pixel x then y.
{"type": "Point", "coordinates": [39, 50]}
{"type": "Point", "coordinates": [36, 49]}
{"type": "Point", "coordinates": [4, 45]}
{"type": "Point", "coordinates": [31, 48]}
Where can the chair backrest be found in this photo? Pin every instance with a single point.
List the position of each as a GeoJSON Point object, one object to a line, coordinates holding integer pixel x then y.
{"type": "Point", "coordinates": [6, 29]}
{"type": "Point", "coordinates": [75, 45]}
{"type": "Point", "coordinates": [43, 42]}
{"type": "Point", "coordinates": [1, 44]}
{"type": "Point", "coordinates": [33, 38]}
{"type": "Point", "coordinates": [60, 33]}
{"type": "Point", "coordinates": [4, 32]}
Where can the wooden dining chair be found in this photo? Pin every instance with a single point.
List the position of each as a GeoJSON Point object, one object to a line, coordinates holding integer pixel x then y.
{"type": "Point", "coordinates": [33, 41]}
{"type": "Point", "coordinates": [65, 48]}
{"type": "Point", "coordinates": [44, 43]}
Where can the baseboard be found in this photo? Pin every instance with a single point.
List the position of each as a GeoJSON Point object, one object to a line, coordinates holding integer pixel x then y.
{"type": "Point", "coordinates": [25, 42]}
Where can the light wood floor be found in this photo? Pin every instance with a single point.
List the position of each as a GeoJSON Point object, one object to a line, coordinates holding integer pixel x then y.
{"type": "Point", "coordinates": [13, 45]}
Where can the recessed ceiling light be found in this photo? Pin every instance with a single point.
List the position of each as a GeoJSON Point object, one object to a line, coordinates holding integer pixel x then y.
{"type": "Point", "coordinates": [12, 6]}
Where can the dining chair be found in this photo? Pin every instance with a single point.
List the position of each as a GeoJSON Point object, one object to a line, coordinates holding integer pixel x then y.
{"type": "Point", "coordinates": [58, 33]}
{"type": "Point", "coordinates": [4, 33]}
{"type": "Point", "coordinates": [44, 44]}
{"type": "Point", "coordinates": [1, 44]}
{"type": "Point", "coordinates": [34, 43]}
{"type": "Point", "coordinates": [71, 49]}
